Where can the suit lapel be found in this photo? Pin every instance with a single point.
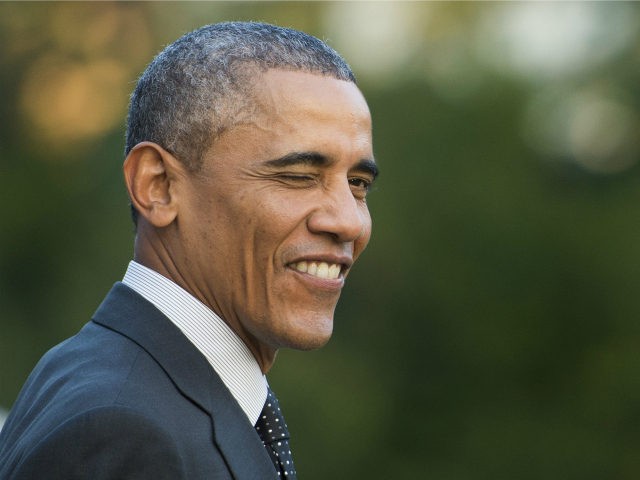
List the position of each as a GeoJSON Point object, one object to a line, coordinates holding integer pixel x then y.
{"type": "Point", "coordinates": [129, 314]}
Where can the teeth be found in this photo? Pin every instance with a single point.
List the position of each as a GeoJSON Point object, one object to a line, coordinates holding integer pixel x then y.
{"type": "Point", "coordinates": [334, 270]}
{"type": "Point", "coordinates": [323, 270]}
{"type": "Point", "coordinates": [319, 269]}
{"type": "Point", "coordinates": [312, 269]}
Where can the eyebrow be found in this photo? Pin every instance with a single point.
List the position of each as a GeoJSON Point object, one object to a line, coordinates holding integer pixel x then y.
{"type": "Point", "coordinates": [317, 159]}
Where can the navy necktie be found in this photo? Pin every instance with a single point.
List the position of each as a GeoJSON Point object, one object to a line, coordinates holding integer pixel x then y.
{"type": "Point", "coordinates": [275, 437]}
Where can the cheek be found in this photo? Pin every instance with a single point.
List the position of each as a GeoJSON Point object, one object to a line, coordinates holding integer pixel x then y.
{"type": "Point", "coordinates": [363, 240]}
{"type": "Point", "coordinates": [275, 220]}
{"type": "Point", "coordinates": [259, 230]}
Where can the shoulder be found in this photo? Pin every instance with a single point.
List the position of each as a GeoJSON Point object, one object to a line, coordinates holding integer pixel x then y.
{"type": "Point", "coordinates": [68, 423]}
{"type": "Point", "coordinates": [109, 442]}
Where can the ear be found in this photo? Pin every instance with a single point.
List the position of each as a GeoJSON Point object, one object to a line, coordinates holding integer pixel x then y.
{"type": "Point", "coordinates": [149, 171]}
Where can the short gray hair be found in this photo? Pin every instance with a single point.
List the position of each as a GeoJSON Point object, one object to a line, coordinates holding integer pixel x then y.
{"type": "Point", "coordinates": [191, 92]}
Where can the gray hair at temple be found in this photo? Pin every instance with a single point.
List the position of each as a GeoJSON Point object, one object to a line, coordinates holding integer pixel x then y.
{"type": "Point", "coordinates": [197, 87]}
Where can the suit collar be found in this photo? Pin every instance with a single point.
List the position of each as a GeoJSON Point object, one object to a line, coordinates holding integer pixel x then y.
{"type": "Point", "coordinates": [127, 313]}
{"type": "Point", "coordinates": [224, 350]}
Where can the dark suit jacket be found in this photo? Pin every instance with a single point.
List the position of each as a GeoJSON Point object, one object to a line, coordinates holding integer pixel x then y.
{"type": "Point", "coordinates": [128, 397]}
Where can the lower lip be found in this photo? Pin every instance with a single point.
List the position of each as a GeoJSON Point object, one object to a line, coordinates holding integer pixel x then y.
{"type": "Point", "coordinates": [317, 283]}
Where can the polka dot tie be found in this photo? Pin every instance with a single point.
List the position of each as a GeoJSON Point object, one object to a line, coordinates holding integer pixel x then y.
{"type": "Point", "coordinates": [275, 437]}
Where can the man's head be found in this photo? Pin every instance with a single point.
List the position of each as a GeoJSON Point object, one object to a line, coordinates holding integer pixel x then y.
{"type": "Point", "coordinates": [249, 157]}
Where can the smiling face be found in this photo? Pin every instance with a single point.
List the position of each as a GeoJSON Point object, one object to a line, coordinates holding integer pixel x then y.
{"type": "Point", "coordinates": [272, 223]}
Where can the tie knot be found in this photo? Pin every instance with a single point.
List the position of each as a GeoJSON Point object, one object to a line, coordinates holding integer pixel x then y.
{"type": "Point", "coordinates": [271, 425]}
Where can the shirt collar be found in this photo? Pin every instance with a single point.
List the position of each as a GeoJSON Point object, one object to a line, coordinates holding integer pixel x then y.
{"type": "Point", "coordinates": [224, 350]}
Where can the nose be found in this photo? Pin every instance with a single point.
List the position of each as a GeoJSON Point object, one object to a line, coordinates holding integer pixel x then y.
{"type": "Point", "coordinates": [339, 214]}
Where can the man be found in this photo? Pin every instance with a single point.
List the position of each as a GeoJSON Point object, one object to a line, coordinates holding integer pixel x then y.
{"type": "Point", "coordinates": [248, 160]}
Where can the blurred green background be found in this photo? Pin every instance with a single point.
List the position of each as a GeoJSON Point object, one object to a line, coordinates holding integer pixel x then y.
{"type": "Point", "coordinates": [490, 330]}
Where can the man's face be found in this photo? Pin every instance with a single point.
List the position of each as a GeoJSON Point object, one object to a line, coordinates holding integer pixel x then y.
{"type": "Point", "coordinates": [273, 222]}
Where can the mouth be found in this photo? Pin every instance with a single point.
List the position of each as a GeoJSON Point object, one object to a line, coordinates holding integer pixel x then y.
{"type": "Point", "coordinates": [324, 270]}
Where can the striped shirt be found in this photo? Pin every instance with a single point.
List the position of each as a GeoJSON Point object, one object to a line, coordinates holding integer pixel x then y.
{"type": "Point", "coordinates": [224, 350]}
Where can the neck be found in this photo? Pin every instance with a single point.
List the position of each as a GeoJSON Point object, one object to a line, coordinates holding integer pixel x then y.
{"type": "Point", "coordinates": [150, 250]}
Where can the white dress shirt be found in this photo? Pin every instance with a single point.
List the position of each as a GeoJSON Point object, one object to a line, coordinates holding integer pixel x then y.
{"type": "Point", "coordinates": [225, 351]}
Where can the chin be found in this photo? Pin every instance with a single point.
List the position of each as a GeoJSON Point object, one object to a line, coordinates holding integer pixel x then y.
{"type": "Point", "coordinates": [310, 336]}
{"type": "Point", "coordinates": [310, 343]}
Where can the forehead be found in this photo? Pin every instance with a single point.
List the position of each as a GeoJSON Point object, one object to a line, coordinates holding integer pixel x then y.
{"type": "Point", "coordinates": [282, 94]}
{"type": "Point", "coordinates": [295, 111]}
